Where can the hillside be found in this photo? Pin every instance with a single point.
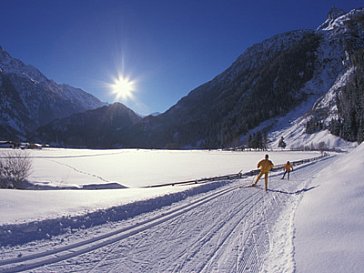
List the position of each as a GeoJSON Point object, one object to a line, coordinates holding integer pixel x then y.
{"type": "Point", "coordinates": [336, 116]}
{"type": "Point", "coordinates": [218, 112]}
{"type": "Point", "coordinates": [29, 99]}
{"type": "Point", "coordinates": [98, 128]}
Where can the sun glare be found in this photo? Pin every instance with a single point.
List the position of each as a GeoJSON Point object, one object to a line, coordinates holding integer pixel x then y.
{"type": "Point", "coordinates": [123, 88]}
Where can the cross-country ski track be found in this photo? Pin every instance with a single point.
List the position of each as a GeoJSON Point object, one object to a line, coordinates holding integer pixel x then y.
{"type": "Point", "coordinates": [230, 229]}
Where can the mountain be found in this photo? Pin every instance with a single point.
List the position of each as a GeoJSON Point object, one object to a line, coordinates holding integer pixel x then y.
{"type": "Point", "coordinates": [296, 85]}
{"type": "Point", "coordinates": [29, 99]}
{"type": "Point", "coordinates": [97, 128]}
{"type": "Point", "coordinates": [312, 77]}
{"type": "Point", "coordinates": [337, 117]}
{"type": "Point", "coordinates": [264, 82]}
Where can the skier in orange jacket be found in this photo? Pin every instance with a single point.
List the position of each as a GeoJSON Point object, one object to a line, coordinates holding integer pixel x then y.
{"type": "Point", "coordinates": [265, 165]}
{"type": "Point", "coordinates": [288, 167]}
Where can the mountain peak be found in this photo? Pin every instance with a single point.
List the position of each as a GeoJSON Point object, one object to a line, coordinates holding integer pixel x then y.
{"type": "Point", "coordinates": [29, 99]}
{"type": "Point", "coordinates": [4, 56]}
{"type": "Point", "coordinates": [333, 14]}
{"type": "Point", "coordinates": [11, 65]}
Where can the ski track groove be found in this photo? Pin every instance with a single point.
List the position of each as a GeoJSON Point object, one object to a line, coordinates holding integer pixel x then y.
{"type": "Point", "coordinates": [217, 252]}
{"type": "Point", "coordinates": [207, 237]}
{"type": "Point", "coordinates": [251, 253]}
{"type": "Point", "coordinates": [250, 229]}
{"type": "Point", "coordinates": [235, 227]}
{"type": "Point", "coordinates": [71, 250]}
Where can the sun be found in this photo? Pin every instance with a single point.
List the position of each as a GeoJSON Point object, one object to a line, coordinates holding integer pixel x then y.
{"type": "Point", "coordinates": [123, 88]}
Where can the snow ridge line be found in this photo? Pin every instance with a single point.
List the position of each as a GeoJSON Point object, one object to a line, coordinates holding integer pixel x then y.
{"type": "Point", "coordinates": [41, 259]}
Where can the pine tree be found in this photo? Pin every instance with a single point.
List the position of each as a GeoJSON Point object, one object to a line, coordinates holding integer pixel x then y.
{"type": "Point", "coordinates": [281, 143]}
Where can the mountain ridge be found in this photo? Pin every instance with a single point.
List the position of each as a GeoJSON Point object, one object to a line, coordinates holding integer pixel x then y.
{"type": "Point", "coordinates": [96, 128]}
{"type": "Point", "coordinates": [30, 100]}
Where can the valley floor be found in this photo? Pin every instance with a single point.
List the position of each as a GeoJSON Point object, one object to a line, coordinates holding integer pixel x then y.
{"type": "Point", "coordinates": [234, 228]}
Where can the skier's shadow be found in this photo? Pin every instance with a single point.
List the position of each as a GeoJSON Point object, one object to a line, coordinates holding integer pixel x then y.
{"type": "Point", "coordinates": [296, 192]}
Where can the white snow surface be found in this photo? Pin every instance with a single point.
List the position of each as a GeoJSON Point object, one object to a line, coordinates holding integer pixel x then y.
{"type": "Point", "coordinates": [133, 168]}
{"type": "Point", "coordinates": [27, 206]}
{"type": "Point", "coordinates": [310, 223]}
{"type": "Point", "coordinates": [330, 219]}
{"type": "Point", "coordinates": [139, 168]}
{"type": "Point", "coordinates": [292, 127]}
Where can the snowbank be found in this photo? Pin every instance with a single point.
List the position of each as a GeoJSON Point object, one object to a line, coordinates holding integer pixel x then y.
{"type": "Point", "coordinates": [35, 217]}
{"type": "Point", "coordinates": [330, 219]}
{"type": "Point", "coordinates": [27, 206]}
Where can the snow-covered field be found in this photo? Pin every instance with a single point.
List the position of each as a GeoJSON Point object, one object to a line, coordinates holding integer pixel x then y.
{"type": "Point", "coordinates": [311, 223]}
{"type": "Point", "coordinates": [138, 168]}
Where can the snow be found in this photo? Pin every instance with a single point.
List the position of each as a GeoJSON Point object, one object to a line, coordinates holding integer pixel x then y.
{"type": "Point", "coordinates": [338, 24]}
{"type": "Point", "coordinates": [329, 221]}
{"type": "Point", "coordinates": [295, 137]}
{"type": "Point", "coordinates": [25, 206]}
{"type": "Point", "coordinates": [330, 75]}
{"type": "Point", "coordinates": [311, 223]}
{"type": "Point", "coordinates": [138, 168]}
{"type": "Point", "coordinates": [333, 70]}
{"type": "Point", "coordinates": [292, 126]}
{"type": "Point", "coordinates": [134, 168]}
{"type": "Point", "coordinates": [11, 65]}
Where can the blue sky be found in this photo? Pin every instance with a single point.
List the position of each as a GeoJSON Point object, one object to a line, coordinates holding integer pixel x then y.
{"type": "Point", "coordinates": [166, 47]}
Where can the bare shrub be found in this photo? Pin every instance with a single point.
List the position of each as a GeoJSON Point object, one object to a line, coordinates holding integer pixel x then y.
{"type": "Point", "coordinates": [15, 167]}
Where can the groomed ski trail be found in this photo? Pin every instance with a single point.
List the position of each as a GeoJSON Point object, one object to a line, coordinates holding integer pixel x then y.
{"type": "Point", "coordinates": [231, 229]}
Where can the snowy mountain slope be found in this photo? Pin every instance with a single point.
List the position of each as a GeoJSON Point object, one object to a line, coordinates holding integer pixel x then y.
{"type": "Point", "coordinates": [293, 126]}
{"type": "Point", "coordinates": [229, 229]}
{"type": "Point", "coordinates": [331, 17]}
{"type": "Point", "coordinates": [29, 99]}
{"type": "Point", "coordinates": [10, 65]}
{"type": "Point", "coordinates": [342, 37]}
